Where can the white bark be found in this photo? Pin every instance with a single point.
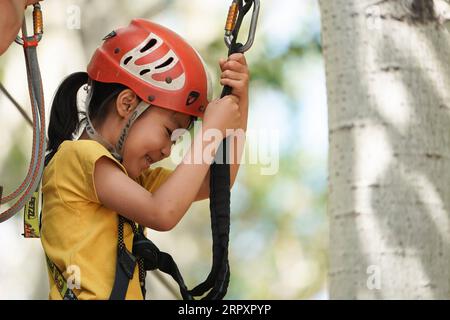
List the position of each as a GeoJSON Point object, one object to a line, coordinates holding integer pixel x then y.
{"type": "Point", "coordinates": [388, 83]}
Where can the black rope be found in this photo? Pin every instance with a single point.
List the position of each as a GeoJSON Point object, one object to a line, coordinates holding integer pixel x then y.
{"type": "Point", "coordinates": [219, 276]}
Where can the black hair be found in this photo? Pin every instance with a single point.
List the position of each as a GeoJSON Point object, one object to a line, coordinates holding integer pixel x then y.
{"type": "Point", "coordinates": [65, 117]}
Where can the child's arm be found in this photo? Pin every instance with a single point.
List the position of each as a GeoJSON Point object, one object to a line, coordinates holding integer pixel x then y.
{"type": "Point", "coordinates": [238, 78]}
{"type": "Point", "coordinates": [163, 209]}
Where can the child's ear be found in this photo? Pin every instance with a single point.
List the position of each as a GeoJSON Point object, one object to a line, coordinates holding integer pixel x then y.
{"type": "Point", "coordinates": [126, 102]}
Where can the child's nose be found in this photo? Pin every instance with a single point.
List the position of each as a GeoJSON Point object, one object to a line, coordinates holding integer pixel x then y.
{"type": "Point", "coordinates": [166, 150]}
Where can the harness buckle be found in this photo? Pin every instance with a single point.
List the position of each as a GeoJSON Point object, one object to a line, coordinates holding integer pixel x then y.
{"type": "Point", "coordinates": [127, 261]}
{"type": "Point", "coordinates": [144, 248]}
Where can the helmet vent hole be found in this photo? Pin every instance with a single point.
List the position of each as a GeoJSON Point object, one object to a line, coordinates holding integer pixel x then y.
{"type": "Point", "coordinates": [193, 96]}
{"type": "Point", "coordinates": [165, 63]}
{"type": "Point", "coordinates": [149, 45]}
{"type": "Point", "coordinates": [125, 62]}
{"type": "Point", "coordinates": [144, 72]}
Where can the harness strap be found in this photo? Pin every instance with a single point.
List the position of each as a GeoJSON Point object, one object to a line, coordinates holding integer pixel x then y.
{"type": "Point", "coordinates": [148, 257]}
{"type": "Point", "coordinates": [154, 259]}
{"type": "Point", "coordinates": [60, 282]}
{"type": "Point", "coordinates": [126, 263]}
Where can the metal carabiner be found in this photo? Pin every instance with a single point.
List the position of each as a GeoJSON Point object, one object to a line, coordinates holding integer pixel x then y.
{"type": "Point", "coordinates": [38, 28]}
{"type": "Point", "coordinates": [235, 17]}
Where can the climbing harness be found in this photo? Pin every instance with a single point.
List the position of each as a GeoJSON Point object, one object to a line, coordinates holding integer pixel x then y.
{"type": "Point", "coordinates": [28, 191]}
{"type": "Point", "coordinates": [144, 253]}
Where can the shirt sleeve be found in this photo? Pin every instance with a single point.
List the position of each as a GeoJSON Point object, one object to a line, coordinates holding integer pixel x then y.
{"type": "Point", "coordinates": [152, 179]}
{"type": "Point", "coordinates": [76, 166]}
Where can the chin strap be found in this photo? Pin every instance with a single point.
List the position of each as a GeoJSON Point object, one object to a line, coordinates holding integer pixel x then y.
{"type": "Point", "coordinates": [117, 150]}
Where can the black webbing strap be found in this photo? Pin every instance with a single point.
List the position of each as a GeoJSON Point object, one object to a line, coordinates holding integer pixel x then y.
{"type": "Point", "coordinates": [220, 226]}
{"type": "Point", "coordinates": [148, 257]}
{"type": "Point", "coordinates": [154, 259]}
{"type": "Point", "coordinates": [126, 263]}
{"type": "Point", "coordinates": [219, 276]}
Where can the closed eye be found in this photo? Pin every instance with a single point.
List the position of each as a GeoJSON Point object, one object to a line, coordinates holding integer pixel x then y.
{"type": "Point", "coordinates": [169, 133]}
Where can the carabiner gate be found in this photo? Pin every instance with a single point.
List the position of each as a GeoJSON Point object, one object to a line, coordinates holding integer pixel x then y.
{"type": "Point", "coordinates": [38, 28]}
{"type": "Point", "coordinates": [235, 17]}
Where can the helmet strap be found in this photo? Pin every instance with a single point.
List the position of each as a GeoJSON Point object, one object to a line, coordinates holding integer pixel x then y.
{"type": "Point", "coordinates": [94, 135]}
{"type": "Point", "coordinates": [117, 150]}
{"type": "Point", "coordinates": [141, 107]}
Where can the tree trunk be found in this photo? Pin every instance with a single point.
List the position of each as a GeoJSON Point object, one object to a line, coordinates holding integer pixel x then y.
{"type": "Point", "coordinates": [388, 82]}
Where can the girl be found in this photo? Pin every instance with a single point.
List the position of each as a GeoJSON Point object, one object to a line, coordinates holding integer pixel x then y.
{"type": "Point", "coordinates": [143, 83]}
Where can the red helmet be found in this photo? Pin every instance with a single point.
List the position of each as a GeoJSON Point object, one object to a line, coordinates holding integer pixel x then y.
{"type": "Point", "coordinates": [157, 64]}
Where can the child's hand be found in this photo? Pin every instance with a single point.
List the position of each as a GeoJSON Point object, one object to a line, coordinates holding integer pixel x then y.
{"type": "Point", "coordinates": [223, 114]}
{"type": "Point", "coordinates": [235, 74]}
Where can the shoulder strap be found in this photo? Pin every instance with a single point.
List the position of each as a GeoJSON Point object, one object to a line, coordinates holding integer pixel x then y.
{"type": "Point", "coordinates": [125, 265]}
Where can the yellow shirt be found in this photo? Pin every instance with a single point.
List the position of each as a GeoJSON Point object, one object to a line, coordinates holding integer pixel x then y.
{"type": "Point", "coordinates": [77, 230]}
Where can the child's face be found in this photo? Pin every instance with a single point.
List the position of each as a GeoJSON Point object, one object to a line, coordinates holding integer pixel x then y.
{"type": "Point", "coordinates": [149, 139]}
